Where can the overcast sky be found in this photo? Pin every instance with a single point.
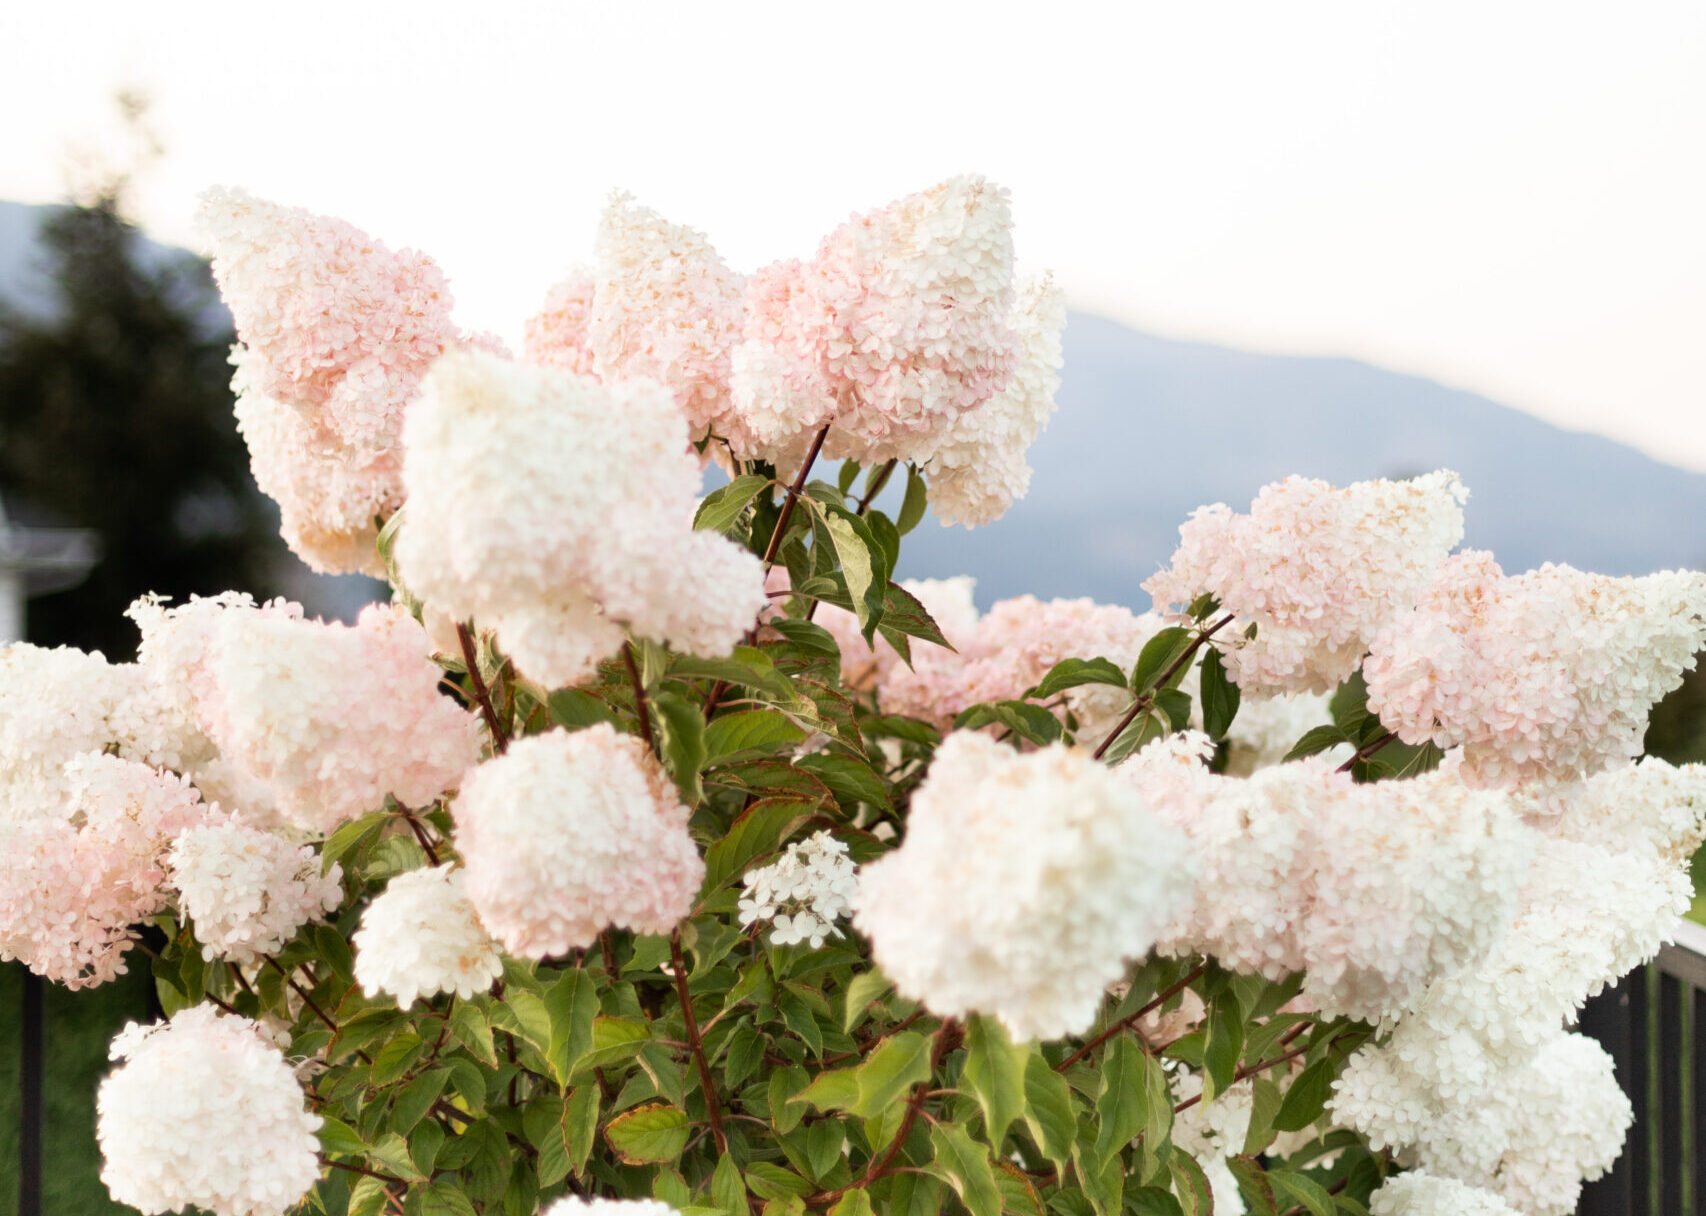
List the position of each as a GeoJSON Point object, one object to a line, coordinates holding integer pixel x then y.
{"type": "Point", "coordinates": [1508, 197]}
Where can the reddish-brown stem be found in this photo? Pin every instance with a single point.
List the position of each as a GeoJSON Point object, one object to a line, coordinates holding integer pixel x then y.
{"type": "Point", "coordinates": [310, 1002]}
{"type": "Point", "coordinates": [387, 1179]}
{"type": "Point", "coordinates": [1367, 750]}
{"type": "Point", "coordinates": [882, 479]}
{"type": "Point", "coordinates": [640, 704]}
{"type": "Point", "coordinates": [1252, 1069]}
{"type": "Point", "coordinates": [482, 694]}
{"type": "Point", "coordinates": [221, 1004]}
{"type": "Point", "coordinates": [421, 836]}
{"type": "Point", "coordinates": [713, 1111]}
{"type": "Point", "coordinates": [781, 528]}
{"type": "Point", "coordinates": [1148, 698]}
{"type": "Point", "coordinates": [1126, 1022]}
{"type": "Point", "coordinates": [607, 951]}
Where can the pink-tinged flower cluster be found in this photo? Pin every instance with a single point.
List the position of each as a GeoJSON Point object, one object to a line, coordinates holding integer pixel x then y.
{"type": "Point", "coordinates": [336, 331]}
{"type": "Point", "coordinates": [1025, 883]}
{"type": "Point", "coordinates": [204, 1112]}
{"type": "Point", "coordinates": [558, 335]}
{"type": "Point", "coordinates": [1317, 570]}
{"type": "Point", "coordinates": [1374, 889]}
{"type": "Point", "coordinates": [666, 308]}
{"type": "Point", "coordinates": [1544, 676]}
{"type": "Point", "coordinates": [422, 937]}
{"type": "Point", "coordinates": [556, 510]}
{"type": "Point", "coordinates": [248, 891]}
{"type": "Point", "coordinates": [315, 723]}
{"type": "Point", "coordinates": [566, 834]}
{"type": "Point", "coordinates": [979, 467]}
{"type": "Point", "coordinates": [88, 863]}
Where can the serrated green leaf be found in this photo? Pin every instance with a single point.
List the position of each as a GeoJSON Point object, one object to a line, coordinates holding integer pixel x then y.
{"type": "Point", "coordinates": [722, 507]}
{"type": "Point", "coordinates": [445, 1197]}
{"type": "Point", "coordinates": [851, 779]}
{"type": "Point", "coordinates": [416, 1098]}
{"type": "Point", "coordinates": [651, 1133]}
{"type": "Point", "coordinates": [728, 1188]}
{"type": "Point", "coordinates": [748, 667]}
{"type": "Point", "coordinates": [339, 1139]}
{"type": "Point", "coordinates": [904, 613]}
{"type": "Point", "coordinates": [1190, 1184]}
{"type": "Point", "coordinates": [469, 1027]}
{"type": "Point", "coordinates": [580, 1124]}
{"type": "Point", "coordinates": [1049, 1111]}
{"type": "Point", "coordinates": [1149, 725]}
{"type": "Point", "coordinates": [1157, 655]}
{"type": "Point", "coordinates": [574, 709]}
{"type": "Point", "coordinates": [681, 742]}
{"type": "Point", "coordinates": [613, 1039]}
{"type": "Point", "coordinates": [864, 564]}
{"type": "Point", "coordinates": [1122, 1102]}
{"type": "Point", "coordinates": [769, 1181]}
{"type": "Point", "coordinates": [1265, 1104]}
{"type": "Point", "coordinates": [348, 837]}
{"type": "Point", "coordinates": [912, 507]}
{"type": "Point", "coordinates": [864, 988]}
{"type": "Point", "coordinates": [1030, 722]}
{"type": "Point", "coordinates": [803, 635]}
{"type": "Point", "coordinates": [1153, 1201]}
{"type": "Point", "coordinates": [750, 732]}
{"type": "Point", "coordinates": [1306, 1097]}
{"type": "Point", "coordinates": [908, 730]}
{"type": "Point", "coordinates": [1316, 739]}
{"type": "Point", "coordinates": [1176, 704]}
{"type": "Point", "coordinates": [856, 1202]}
{"type": "Point", "coordinates": [889, 1073]}
{"type": "Point", "coordinates": [572, 1004]}
{"type": "Point", "coordinates": [964, 1165]}
{"type": "Point", "coordinates": [1073, 673]}
{"type": "Point", "coordinates": [994, 1072]}
{"type": "Point", "coordinates": [395, 1057]}
{"type": "Point", "coordinates": [1223, 1047]}
{"type": "Point", "coordinates": [1291, 1186]}
{"type": "Point", "coordinates": [1253, 1185]}
{"type": "Point", "coordinates": [391, 1152]}
{"type": "Point", "coordinates": [759, 830]}
{"type": "Point", "coordinates": [523, 1013]}
{"type": "Point", "coordinates": [1218, 694]}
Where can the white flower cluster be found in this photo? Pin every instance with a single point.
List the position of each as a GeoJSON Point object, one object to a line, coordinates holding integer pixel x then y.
{"type": "Point", "coordinates": [1211, 1132]}
{"type": "Point", "coordinates": [555, 510]}
{"type": "Point", "coordinates": [567, 833]}
{"type": "Point", "coordinates": [313, 722]}
{"type": "Point", "coordinates": [1318, 570]}
{"type": "Point", "coordinates": [1023, 885]}
{"type": "Point", "coordinates": [575, 1205]}
{"type": "Point", "coordinates": [204, 1112]}
{"type": "Point", "coordinates": [421, 937]}
{"type": "Point", "coordinates": [1547, 675]}
{"type": "Point", "coordinates": [248, 891]}
{"type": "Point", "coordinates": [1478, 1082]}
{"type": "Point", "coordinates": [803, 892]}
{"type": "Point", "coordinates": [1419, 1193]}
{"type": "Point", "coordinates": [1374, 890]}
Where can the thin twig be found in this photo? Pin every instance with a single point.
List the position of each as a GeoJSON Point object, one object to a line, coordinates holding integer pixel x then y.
{"type": "Point", "coordinates": [482, 694]}
{"type": "Point", "coordinates": [1367, 750]}
{"type": "Point", "coordinates": [713, 1111]}
{"type": "Point", "coordinates": [876, 487]}
{"type": "Point", "coordinates": [640, 697]}
{"type": "Point", "coordinates": [362, 1169]}
{"type": "Point", "coordinates": [1125, 1022]}
{"type": "Point", "coordinates": [1252, 1069]}
{"type": "Point", "coordinates": [1148, 698]}
{"type": "Point", "coordinates": [421, 836]}
{"type": "Point", "coordinates": [781, 528]}
{"type": "Point", "coordinates": [309, 1001]}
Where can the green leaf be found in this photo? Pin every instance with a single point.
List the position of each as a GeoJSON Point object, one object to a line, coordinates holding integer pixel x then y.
{"type": "Point", "coordinates": [1157, 655]}
{"type": "Point", "coordinates": [1253, 1185]}
{"type": "Point", "coordinates": [487, 1171]}
{"type": "Point", "coordinates": [748, 667]}
{"type": "Point", "coordinates": [580, 1124]}
{"type": "Point", "coordinates": [1264, 1106]}
{"type": "Point", "coordinates": [681, 741]}
{"type": "Point", "coordinates": [847, 474]}
{"type": "Point", "coordinates": [722, 507]}
{"type": "Point", "coordinates": [651, 1133]}
{"type": "Point", "coordinates": [1149, 725]}
{"type": "Point", "coordinates": [526, 1016]}
{"type": "Point", "coordinates": [750, 732]}
{"type": "Point", "coordinates": [728, 1188]}
{"type": "Point", "coordinates": [1176, 704]}
{"type": "Point", "coordinates": [368, 1196]}
{"type": "Point", "coordinates": [1349, 704]}
{"type": "Point", "coordinates": [1048, 1111]}
{"type": "Point", "coordinates": [1219, 695]}
{"type": "Point", "coordinates": [573, 709]}
{"type": "Point", "coordinates": [851, 779]}
{"type": "Point", "coordinates": [613, 1039]}
{"type": "Point", "coordinates": [1222, 1048]}
{"type": "Point", "coordinates": [339, 1139]}
{"type": "Point", "coordinates": [469, 1027]}
{"type": "Point", "coordinates": [1153, 1201]}
{"type": "Point", "coordinates": [995, 1074]}
{"type": "Point", "coordinates": [887, 538]}
{"type": "Point", "coordinates": [856, 1202]}
{"type": "Point", "coordinates": [1299, 1188]}
{"type": "Point", "coordinates": [864, 564]}
{"type": "Point", "coordinates": [416, 1098]}
{"type": "Point", "coordinates": [1190, 1184]}
{"type": "Point", "coordinates": [905, 613]}
{"type": "Point", "coordinates": [395, 1058]}
{"type": "Point", "coordinates": [759, 830]}
{"type": "Point", "coordinates": [1122, 1102]}
{"type": "Point", "coordinates": [813, 639]}
{"type": "Point", "coordinates": [571, 1003]}
{"type": "Point", "coordinates": [1030, 722]}
{"type": "Point", "coordinates": [964, 1165]}
{"type": "Point", "coordinates": [865, 987]}
{"type": "Point", "coordinates": [769, 1181]}
{"type": "Point", "coordinates": [1316, 739]}
{"type": "Point", "coordinates": [349, 836]}
{"type": "Point", "coordinates": [1306, 1097]}
{"type": "Point", "coordinates": [899, 1062]}
{"type": "Point", "coordinates": [908, 730]}
{"type": "Point", "coordinates": [391, 1152]}
{"type": "Point", "coordinates": [1071, 673]}
{"type": "Point", "coordinates": [445, 1197]}
{"type": "Point", "coordinates": [912, 507]}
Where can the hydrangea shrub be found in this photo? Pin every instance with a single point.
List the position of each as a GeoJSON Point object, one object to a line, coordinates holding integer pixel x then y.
{"type": "Point", "coordinates": [663, 851]}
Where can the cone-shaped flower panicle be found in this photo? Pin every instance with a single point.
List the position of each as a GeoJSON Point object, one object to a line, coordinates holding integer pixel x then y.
{"type": "Point", "coordinates": [248, 891]}
{"type": "Point", "coordinates": [557, 335]}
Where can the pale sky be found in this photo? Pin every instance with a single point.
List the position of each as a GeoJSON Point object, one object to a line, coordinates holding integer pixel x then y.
{"type": "Point", "coordinates": [1507, 197]}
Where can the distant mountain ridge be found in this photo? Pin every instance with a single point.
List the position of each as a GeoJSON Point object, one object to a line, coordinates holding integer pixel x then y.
{"type": "Point", "coordinates": [1150, 428]}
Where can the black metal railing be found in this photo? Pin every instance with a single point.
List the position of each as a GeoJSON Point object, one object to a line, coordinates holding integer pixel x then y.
{"type": "Point", "coordinates": [1654, 1026]}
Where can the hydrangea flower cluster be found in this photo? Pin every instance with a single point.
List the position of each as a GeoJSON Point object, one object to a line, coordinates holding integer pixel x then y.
{"type": "Point", "coordinates": [1374, 890]}
{"type": "Point", "coordinates": [422, 937]}
{"type": "Point", "coordinates": [567, 833]}
{"type": "Point", "coordinates": [1419, 1193]}
{"type": "Point", "coordinates": [1317, 570]}
{"type": "Point", "coordinates": [204, 1112]}
{"type": "Point", "coordinates": [315, 722]}
{"type": "Point", "coordinates": [336, 333]}
{"type": "Point", "coordinates": [803, 892]}
{"type": "Point", "coordinates": [577, 1205]}
{"type": "Point", "coordinates": [78, 874]}
{"type": "Point", "coordinates": [248, 891]}
{"type": "Point", "coordinates": [1547, 675]}
{"type": "Point", "coordinates": [1024, 884]}
{"type": "Point", "coordinates": [555, 510]}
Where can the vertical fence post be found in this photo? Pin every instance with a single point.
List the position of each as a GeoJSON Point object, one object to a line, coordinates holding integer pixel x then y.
{"type": "Point", "coordinates": [29, 1098]}
{"type": "Point", "coordinates": [1608, 1018]}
